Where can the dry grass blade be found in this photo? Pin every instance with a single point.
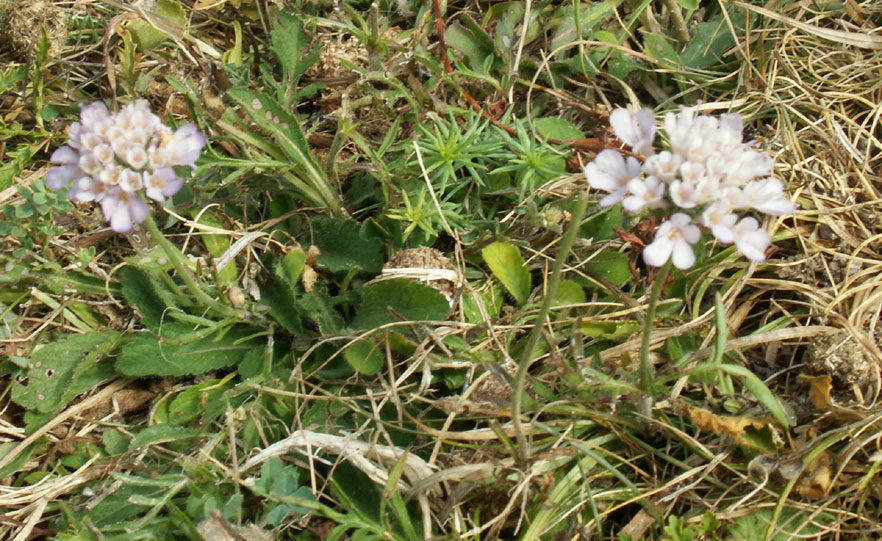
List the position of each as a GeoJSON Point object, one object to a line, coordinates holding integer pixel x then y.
{"type": "Point", "coordinates": [90, 402]}
{"type": "Point", "coordinates": [854, 39]}
{"type": "Point", "coordinates": [361, 454]}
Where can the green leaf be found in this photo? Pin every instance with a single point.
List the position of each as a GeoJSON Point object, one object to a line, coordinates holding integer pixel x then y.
{"type": "Point", "coordinates": [61, 370]}
{"type": "Point", "coordinates": [344, 248]}
{"type": "Point", "coordinates": [148, 36]}
{"type": "Point", "coordinates": [688, 4]}
{"type": "Point", "coordinates": [194, 402]}
{"type": "Point", "coordinates": [160, 434]}
{"type": "Point", "coordinates": [309, 178]}
{"type": "Point", "coordinates": [617, 331]}
{"type": "Point", "coordinates": [755, 385]}
{"type": "Point", "coordinates": [505, 261]}
{"type": "Point", "coordinates": [277, 292]}
{"type": "Point", "coordinates": [364, 356]}
{"type": "Point", "coordinates": [177, 351]}
{"type": "Point", "coordinates": [557, 128]}
{"type": "Point", "coordinates": [217, 245]}
{"type": "Point", "coordinates": [589, 17]}
{"type": "Point", "coordinates": [408, 299]}
{"type": "Point", "coordinates": [140, 291]}
{"type": "Point", "coordinates": [115, 443]}
{"type": "Point", "coordinates": [657, 47]}
{"type": "Point", "coordinates": [476, 48]}
{"type": "Point", "coordinates": [612, 265]}
{"type": "Point", "coordinates": [293, 263]}
{"type": "Point", "coordinates": [601, 224]}
{"type": "Point", "coordinates": [292, 45]}
{"type": "Point", "coordinates": [568, 292]}
{"type": "Point", "coordinates": [318, 305]}
{"type": "Point", "coordinates": [18, 462]}
{"type": "Point", "coordinates": [710, 41]}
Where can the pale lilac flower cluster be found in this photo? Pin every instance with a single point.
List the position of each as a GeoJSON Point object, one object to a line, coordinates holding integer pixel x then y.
{"type": "Point", "coordinates": [110, 157]}
{"type": "Point", "coordinates": [705, 178]}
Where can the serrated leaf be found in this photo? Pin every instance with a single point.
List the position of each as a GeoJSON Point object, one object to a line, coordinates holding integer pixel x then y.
{"type": "Point", "coordinates": [278, 294]}
{"type": "Point", "coordinates": [505, 261]}
{"type": "Point", "coordinates": [140, 291]}
{"type": "Point", "coordinates": [344, 248]}
{"type": "Point", "coordinates": [292, 45]}
{"type": "Point", "coordinates": [408, 299]}
{"type": "Point", "coordinates": [61, 370]}
{"type": "Point", "coordinates": [557, 128]}
{"type": "Point", "coordinates": [151, 355]}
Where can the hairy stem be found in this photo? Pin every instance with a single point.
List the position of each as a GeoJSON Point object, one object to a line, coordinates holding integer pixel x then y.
{"type": "Point", "coordinates": [180, 264]}
{"type": "Point", "coordinates": [645, 370]}
{"type": "Point", "coordinates": [527, 356]}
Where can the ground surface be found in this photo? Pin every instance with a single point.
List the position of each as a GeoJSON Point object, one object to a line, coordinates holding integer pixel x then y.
{"type": "Point", "coordinates": [321, 337]}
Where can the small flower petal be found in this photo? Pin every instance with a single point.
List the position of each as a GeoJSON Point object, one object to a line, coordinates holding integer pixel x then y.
{"type": "Point", "coordinates": [750, 240]}
{"type": "Point", "coordinates": [636, 130]}
{"type": "Point", "coordinates": [59, 177]}
{"type": "Point", "coordinates": [65, 155]}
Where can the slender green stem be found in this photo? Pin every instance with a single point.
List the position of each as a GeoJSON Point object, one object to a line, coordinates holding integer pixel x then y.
{"type": "Point", "coordinates": [527, 357]}
{"type": "Point", "coordinates": [180, 264]}
{"type": "Point", "coordinates": [645, 370]}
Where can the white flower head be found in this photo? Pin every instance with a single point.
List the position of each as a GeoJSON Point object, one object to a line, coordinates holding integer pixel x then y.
{"type": "Point", "coordinates": [707, 174]}
{"type": "Point", "coordinates": [707, 190]}
{"type": "Point", "coordinates": [112, 157]}
{"type": "Point", "coordinates": [636, 130]}
{"type": "Point", "coordinates": [673, 240]}
{"type": "Point", "coordinates": [610, 172]}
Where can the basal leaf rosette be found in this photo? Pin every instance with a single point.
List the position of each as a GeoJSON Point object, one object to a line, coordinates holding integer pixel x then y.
{"type": "Point", "coordinates": [708, 178]}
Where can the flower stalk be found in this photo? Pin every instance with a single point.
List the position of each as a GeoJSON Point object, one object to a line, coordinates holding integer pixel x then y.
{"type": "Point", "coordinates": [645, 369]}
{"type": "Point", "coordinates": [179, 262]}
{"type": "Point", "coordinates": [527, 356]}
